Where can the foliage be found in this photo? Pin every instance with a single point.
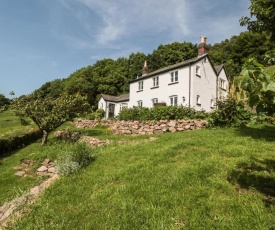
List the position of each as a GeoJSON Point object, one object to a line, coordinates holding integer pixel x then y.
{"type": "Point", "coordinates": [80, 155]}
{"type": "Point", "coordinates": [4, 102]}
{"type": "Point", "coordinates": [160, 113]}
{"type": "Point", "coordinates": [260, 87]}
{"type": "Point", "coordinates": [49, 113]}
{"type": "Point", "coordinates": [235, 51]}
{"type": "Point", "coordinates": [170, 54]}
{"type": "Point", "coordinates": [230, 112]}
{"type": "Point", "coordinates": [97, 115]}
{"type": "Point", "coordinates": [263, 11]}
{"type": "Point", "coordinates": [15, 142]}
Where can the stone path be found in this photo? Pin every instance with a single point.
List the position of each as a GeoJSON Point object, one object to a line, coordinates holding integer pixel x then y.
{"type": "Point", "coordinates": [13, 208]}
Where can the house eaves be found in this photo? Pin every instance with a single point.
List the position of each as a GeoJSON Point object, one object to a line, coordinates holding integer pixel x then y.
{"type": "Point", "coordinates": [171, 67]}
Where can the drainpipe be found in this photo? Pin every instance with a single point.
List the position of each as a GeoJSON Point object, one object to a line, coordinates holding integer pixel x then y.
{"type": "Point", "coordinates": [189, 85]}
{"type": "Point", "coordinates": [217, 83]}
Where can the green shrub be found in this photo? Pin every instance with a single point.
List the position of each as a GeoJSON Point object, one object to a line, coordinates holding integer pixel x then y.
{"type": "Point", "coordinates": [161, 113]}
{"type": "Point", "coordinates": [12, 143]}
{"type": "Point", "coordinates": [230, 113]}
{"type": "Point", "coordinates": [97, 115]}
{"type": "Point", "coordinates": [78, 156]}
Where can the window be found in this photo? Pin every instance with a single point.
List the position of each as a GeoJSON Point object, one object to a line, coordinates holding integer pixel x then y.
{"type": "Point", "coordinates": [123, 106]}
{"type": "Point", "coordinates": [155, 81]}
{"type": "Point", "coordinates": [154, 100]}
{"type": "Point", "coordinates": [198, 100]}
{"type": "Point", "coordinates": [139, 103]}
{"type": "Point", "coordinates": [175, 76]}
{"type": "Point", "coordinates": [212, 103]}
{"type": "Point", "coordinates": [173, 100]}
{"type": "Point", "coordinates": [140, 85]}
{"type": "Point", "coordinates": [222, 84]}
{"type": "Point", "coordinates": [198, 71]}
{"type": "Point", "coordinates": [101, 105]}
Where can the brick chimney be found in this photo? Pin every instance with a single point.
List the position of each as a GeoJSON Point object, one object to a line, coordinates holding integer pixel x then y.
{"type": "Point", "coordinates": [202, 47]}
{"type": "Point", "coordinates": [145, 69]}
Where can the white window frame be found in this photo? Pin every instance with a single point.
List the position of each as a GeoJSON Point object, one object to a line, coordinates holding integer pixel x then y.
{"type": "Point", "coordinates": [174, 76]}
{"type": "Point", "coordinates": [140, 103]}
{"type": "Point", "coordinates": [198, 100]}
{"type": "Point", "coordinates": [140, 85]}
{"type": "Point", "coordinates": [222, 83]}
{"type": "Point", "coordinates": [123, 106]}
{"type": "Point", "coordinates": [198, 71]}
{"type": "Point", "coordinates": [173, 100]}
{"type": "Point", "coordinates": [155, 81]}
{"type": "Point", "coordinates": [212, 103]}
{"type": "Point", "coordinates": [154, 100]}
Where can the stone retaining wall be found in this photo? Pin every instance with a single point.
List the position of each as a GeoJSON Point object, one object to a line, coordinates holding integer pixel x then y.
{"type": "Point", "coordinates": [145, 127]}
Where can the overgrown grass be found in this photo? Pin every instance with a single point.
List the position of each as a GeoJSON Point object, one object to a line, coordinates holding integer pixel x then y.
{"type": "Point", "coordinates": [10, 125]}
{"type": "Point", "coordinates": [190, 180]}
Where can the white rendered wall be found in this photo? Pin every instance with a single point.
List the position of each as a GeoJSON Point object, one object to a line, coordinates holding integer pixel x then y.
{"type": "Point", "coordinates": [163, 91]}
{"type": "Point", "coordinates": [203, 85]}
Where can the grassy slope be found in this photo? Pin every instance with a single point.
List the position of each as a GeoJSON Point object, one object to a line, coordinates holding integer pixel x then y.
{"type": "Point", "coordinates": [10, 125]}
{"type": "Point", "coordinates": [180, 181]}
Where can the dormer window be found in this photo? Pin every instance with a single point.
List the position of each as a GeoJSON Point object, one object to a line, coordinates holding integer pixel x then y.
{"type": "Point", "coordinates": [174, 76]}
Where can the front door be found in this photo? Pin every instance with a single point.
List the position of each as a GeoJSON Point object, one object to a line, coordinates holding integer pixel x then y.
{"type": "Point", "coordinates": [111, 110]}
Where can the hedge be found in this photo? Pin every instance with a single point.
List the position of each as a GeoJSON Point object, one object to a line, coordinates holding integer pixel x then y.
{"type": "Point", "coordinates": [13, 143]}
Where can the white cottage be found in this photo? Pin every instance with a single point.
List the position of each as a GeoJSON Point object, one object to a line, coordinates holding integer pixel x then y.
{"type": "Point", "coordinates": [194, 83]}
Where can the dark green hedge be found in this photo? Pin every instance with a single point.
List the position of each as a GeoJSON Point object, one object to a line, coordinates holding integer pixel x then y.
{"type": "Point", "coordinates": [12, 143]}
{"type": "Point", "coordinates": [161, 113]}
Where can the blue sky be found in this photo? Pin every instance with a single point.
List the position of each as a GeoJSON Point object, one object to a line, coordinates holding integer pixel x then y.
{"type": "Point", "coordinates": [43, 40]}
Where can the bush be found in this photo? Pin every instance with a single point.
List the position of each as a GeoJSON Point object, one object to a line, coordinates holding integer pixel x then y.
{"type": "Point", "coordinates": [97, 115]}
{"type": "Point", "coordinates": [12, 143]}
{"type": "Point", "coordinates": [161, 113]}
{"type": "Point", "coordinates": [80, 155]}
{"type": "Point", "coordinates": [229, 113]}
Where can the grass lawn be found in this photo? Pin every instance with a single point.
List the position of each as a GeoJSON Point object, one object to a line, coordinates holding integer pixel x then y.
{"type": "Point", "coordinates": [203, 179]}
{"type": "Point", "coordinates": [10, 125]}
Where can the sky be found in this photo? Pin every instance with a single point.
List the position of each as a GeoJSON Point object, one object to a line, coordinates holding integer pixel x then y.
{"type": "Point", "coordinates": [43, 40]}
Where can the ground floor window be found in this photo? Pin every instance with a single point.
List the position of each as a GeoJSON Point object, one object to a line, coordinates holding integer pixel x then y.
{"type": "Point", "coordinates": [139, 103]}
{"type": "Point", "coordinates": [123, 106]}
{"type": "Point", "coordinates": [154, 101]}
{"type": "Point", "coordinates": [173, 100]}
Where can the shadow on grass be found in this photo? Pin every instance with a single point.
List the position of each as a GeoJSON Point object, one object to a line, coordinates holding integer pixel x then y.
{"type": "Point", "coordinates": [256, 174]}
{"type": "Point", "coordinates": [266, 132]}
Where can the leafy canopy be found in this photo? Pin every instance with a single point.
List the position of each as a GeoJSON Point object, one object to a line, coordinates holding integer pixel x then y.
{"type": "Point", "coordinates": [264, 12]}
{"type": "Point", "coordinates": [48, 113]}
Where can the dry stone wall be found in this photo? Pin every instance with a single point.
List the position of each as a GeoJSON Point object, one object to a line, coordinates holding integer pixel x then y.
{"type": "Point", "coordinates": [145, 127]}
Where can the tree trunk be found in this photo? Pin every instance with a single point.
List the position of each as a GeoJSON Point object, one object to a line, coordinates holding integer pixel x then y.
{"type": "Point", "coordinates": [45, 137]}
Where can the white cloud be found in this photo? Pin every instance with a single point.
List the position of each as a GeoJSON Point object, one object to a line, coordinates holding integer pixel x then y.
{"type": "Point", "coordinates": [123, 18]}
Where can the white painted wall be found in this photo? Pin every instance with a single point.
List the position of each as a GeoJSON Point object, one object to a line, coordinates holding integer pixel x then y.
{"type": "Point", "coordinates": [223, 92]}
{"type": "Point", "coordinates": [203, 85]}
{"type": "Point", "coordinates": [102, 104]}
{"type": "Point", "coordinates": [163, 92]}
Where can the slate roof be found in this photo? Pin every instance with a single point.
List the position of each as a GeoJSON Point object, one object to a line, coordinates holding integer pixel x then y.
{"type": "Point", "coordinates": [121, 98]}
{"type": "Point", "coordinates": [171, 67]}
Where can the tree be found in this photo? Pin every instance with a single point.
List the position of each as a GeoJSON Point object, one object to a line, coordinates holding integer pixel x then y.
{"type": "Point", "coordinates": [49, 113]}
{"type": "Point", "coordinates": [259, 85]}
{"type": "Point", "coordinates": [4, 102]}
{"type": "Point", "coordinates": [264, 12]}
{"type": "Point", "coordinates": [171, 54]}
{"type": "Point", "coordinates": [235, 51]}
